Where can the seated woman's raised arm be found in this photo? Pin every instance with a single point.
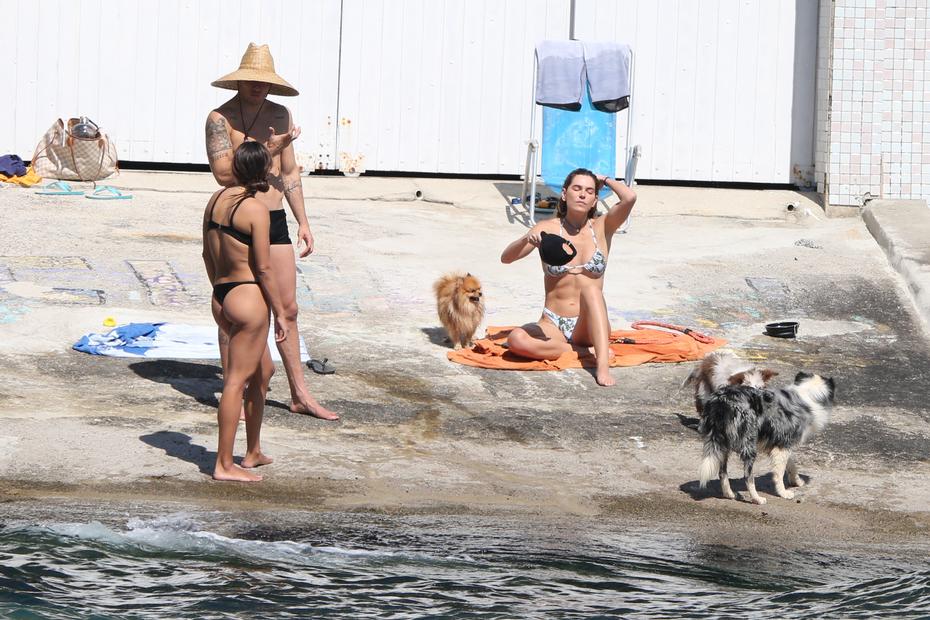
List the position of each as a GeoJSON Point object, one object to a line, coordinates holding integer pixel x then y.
{"type": "Point", "coordinates": [620, 211]}
{"type": "Point", "coordinates": [522, 246]}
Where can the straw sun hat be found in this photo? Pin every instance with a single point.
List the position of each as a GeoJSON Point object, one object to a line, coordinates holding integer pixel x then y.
{"type": "Point", "coordinates": [257, 66]}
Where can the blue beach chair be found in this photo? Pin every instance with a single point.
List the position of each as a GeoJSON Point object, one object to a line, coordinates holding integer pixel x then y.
{"type": "Point", "coordinates": [586, 138]}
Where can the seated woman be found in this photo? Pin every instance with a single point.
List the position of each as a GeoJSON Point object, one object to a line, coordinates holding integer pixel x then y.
{"type": "Point", "coordinates": [575, 313]}
{"type": "Point", "coordinates": [237, 255]}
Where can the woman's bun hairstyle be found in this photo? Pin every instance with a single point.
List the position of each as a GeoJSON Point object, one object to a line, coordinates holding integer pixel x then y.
{"type": "Point", "coordinates": [251, 163]}
{"type": "Point", "coordinates": [562, 208]}
{"type": "Point", "coordinates": [257, 187]}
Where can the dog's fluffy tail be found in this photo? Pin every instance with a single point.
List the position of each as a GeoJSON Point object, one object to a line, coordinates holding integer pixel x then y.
{"type": "Point", "coordinates": [710, 465]}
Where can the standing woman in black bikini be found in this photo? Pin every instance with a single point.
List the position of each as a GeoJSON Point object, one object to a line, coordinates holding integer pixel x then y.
{"type": "Point", "coordinates": [575, 314]}
{"type": "Point", "coordinates": [237, 255]}
{"type": "Point", "coordinates": [250, 115]}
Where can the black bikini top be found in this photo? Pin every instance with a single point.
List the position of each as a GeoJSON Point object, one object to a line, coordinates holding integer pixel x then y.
{"type": "Point", "coordinates": [552, 249]}
{"type": "Point", "coordinates": [596, 265]}
{"type": "Point", "coordinates": [241, 237]}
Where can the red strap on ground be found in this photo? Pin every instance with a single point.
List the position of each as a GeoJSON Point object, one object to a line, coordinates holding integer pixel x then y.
{"type": "Point", "coordinates": [678, 328]}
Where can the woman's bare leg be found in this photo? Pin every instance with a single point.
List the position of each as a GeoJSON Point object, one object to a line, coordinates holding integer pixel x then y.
{"type": "Point", "coordinates": [247, 312]}
{"type": "Point", "coordinates": [222, 337]}
{"type": "Point", "coordinates": [594, 327]}
{"type": "Point", "coordinates": [538, 341]}
{"type": "Point", "coordinates": [255, 409]}
{"type": "Point", "coordinates": [284, 268]}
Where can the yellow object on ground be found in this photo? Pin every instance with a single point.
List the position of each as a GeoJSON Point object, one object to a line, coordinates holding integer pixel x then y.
{"type": "Point", "coordinates": [27, 180]}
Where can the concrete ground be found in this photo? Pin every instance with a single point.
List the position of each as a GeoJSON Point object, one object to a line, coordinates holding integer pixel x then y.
{"type": "Point", "coordinates": [421, 434]}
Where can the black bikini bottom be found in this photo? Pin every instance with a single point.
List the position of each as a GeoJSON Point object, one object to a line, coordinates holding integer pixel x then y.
{"type": "Point", "coordinates": [279, 235]}
{"type": "Point", "coordinates": [220, 291]}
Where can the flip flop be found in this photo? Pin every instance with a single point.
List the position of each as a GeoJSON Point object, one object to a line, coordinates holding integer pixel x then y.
{"type": "Point", "coordinates": [58, 188]}
{"type": "Point", "coordinates": [321, 367]}
{"type": "Point", "coordinates": [107, 192]}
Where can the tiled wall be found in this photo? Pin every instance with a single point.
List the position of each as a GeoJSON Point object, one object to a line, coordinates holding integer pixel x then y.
{"type": "Point", "coordinates": [873, 129]}
{"type": "Point", "coordinates": [822, 96]}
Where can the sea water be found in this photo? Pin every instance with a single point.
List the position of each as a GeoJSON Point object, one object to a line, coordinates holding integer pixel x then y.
{"type": "Point", "coordinates": [300, 565]}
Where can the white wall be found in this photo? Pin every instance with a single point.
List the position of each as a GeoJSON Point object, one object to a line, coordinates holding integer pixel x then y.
{"type": "Point", "coordinates": [442, 86]}
{"type": "Point", "coordinates": [715, 92]}
{"type": "Point", "coordinates": [722, 91]}
{"type": "Point", "coordinates": [142, 69]}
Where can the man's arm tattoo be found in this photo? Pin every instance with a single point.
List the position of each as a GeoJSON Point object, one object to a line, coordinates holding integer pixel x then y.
{"type": "Point", "coordinates": [291, 186]}
{"type": "Point", "coordinates": [276, 181]}
{"type": "Point", "coordinates": [218, 143]}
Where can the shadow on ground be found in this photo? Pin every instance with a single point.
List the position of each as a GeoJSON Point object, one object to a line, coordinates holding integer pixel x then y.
{"type": "Point", "coordinates": [200, 381]}
{"type": "Point", "coordinates": [437, 336]}
{"type": "Point", "coordinates": [765, 486]}
{"type": "Point", "coordinates": [179, 446]}
{"type": "Point", "coordinates": [515, 212]}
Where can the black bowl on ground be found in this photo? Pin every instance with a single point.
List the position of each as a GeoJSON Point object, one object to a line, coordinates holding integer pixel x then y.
{"type": "Point", "coordinates": [782, 329]}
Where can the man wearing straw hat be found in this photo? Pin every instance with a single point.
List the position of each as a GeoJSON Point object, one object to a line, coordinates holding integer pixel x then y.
{"type": "Point", "coordinates": [250, 116]}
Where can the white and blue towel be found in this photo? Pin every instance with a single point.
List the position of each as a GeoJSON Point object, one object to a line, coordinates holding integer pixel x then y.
{"type": "Point", "coordinates": [560, 76]}
{"type": "Point", "coordinates": [607, 65]}
{"type": "Point", "coordinates": [164, 341]}
{"type": "Point", "coordinates": [565, 68]}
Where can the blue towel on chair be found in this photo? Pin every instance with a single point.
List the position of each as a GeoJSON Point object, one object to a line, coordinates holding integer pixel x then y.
{"type": "Point", "coordinates": [560, 74]}
{"type": "Point", "coordinates": [607, 65]}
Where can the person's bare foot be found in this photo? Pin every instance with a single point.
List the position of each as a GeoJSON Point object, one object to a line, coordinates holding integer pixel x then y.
{"type": "Point", "coordinates": [603, 378]}
{"type": "Point", "coordinates": [313, 408]}
{"type": "Point", "coordinates": [255, 460]}
{"type": "Point", "coordinates": [234, 474]}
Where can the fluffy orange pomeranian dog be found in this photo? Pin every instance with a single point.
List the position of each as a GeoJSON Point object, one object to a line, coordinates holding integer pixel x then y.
{"type": "Point", "coordinates": [460, 304]}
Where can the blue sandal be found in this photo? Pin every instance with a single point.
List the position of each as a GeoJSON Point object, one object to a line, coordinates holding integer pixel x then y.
{"type": "Point", "coordinates": [107, 192]}
{"type": "Point", "coordinates": [58, 188]}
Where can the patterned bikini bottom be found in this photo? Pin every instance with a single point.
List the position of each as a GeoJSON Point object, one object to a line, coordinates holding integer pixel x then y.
{"type": "Point", "coordinates": [566, 324]}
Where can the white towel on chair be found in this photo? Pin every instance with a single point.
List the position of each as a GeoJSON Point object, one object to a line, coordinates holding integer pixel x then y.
{"type": "Point", "coordinates": [608, 69]}
{"type": "Point", "coordinates": [560, 74]}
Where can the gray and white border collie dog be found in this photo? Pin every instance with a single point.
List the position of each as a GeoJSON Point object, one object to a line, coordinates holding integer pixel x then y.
{"type": "Point", "coordinates": [745, 419]}
{"type": "Point", "coordinates": [720, 369]}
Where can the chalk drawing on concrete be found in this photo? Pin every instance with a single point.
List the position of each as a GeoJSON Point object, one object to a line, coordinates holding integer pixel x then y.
{"type": "Point", "coordinates": [75, 296]}
{"type": "Point", "coordinates": [769, 287]}
{"type": "Point", "coordinates": [51, 295]}
{"type": "Point", "coordinates": [12, 306]}
{"type": "Point", "coordinates": [321, 288]}
{"type": "Point", "coordinates": [46, 262]}
{"type": "Point", "coordinates": [162, 284]}
{"type": "Point", "coordinates": [11, 313]}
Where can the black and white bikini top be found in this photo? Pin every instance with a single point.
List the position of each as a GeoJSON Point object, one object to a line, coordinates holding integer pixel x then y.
{"type": "Point", "coordinates": [596, 265]}
{"type": "Point", "coordinates": [241, 237]}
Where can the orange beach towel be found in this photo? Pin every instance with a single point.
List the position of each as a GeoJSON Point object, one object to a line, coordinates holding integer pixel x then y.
{"type": "Point", "coordinates": [648, 345]}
